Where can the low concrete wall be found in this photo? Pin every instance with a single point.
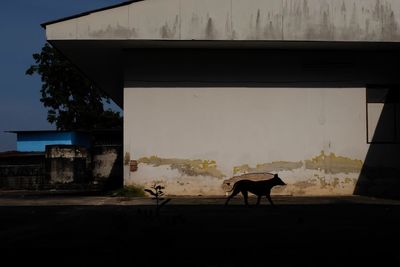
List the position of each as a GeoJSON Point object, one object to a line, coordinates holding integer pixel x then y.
{"type": "Point", "coordinates": [22, 170]}
{"type": "Point", "coordinates": [63, 167]}
{"type": "Point", "coordinates": [22, 176]}
{"type": "Point", "coordinates": [66, 164]}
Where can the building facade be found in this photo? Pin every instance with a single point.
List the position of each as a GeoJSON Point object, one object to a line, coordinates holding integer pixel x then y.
{"type": "Point", "coordinates": [36, 141]}
{"type": "Point", "coordinates": [214, 89]}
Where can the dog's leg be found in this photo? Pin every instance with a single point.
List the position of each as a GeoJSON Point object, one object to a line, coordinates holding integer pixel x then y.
{"type": "Point", "coordinates": [245, 196]}
{"type": "Point", "coordinates": [258, 199]}
{"type": "Point", "coordinates": [270, 200]}
{"type": "Point", "coordinates": [227, 200]}
{"type": "Point", "coordinates": [234, 193]}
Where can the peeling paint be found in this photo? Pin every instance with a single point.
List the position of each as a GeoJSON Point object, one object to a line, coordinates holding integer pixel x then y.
{"type": "Point", "coordinates": [334, 164]}
{"type": "Point", "coordinates": [188, 167]}
{"type": "Point", "coordinates": [305, 184]}
{"type": "Point", "coordinates": [322, 182]}
{"type": "Point", "coordinates": [321, 185]}
{"type": "Point", "coordinates": [268, 167]}
{"type": "Point", "coordinates": [335, 183]}
{"type": "Point", "coordinates": [348, 180]}
{"type": "Point", "coordinates": [303, 154]}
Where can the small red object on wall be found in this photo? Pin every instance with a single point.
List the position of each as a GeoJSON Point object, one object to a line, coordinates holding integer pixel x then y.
{"type": "Point", "coordinates": [133, 165]}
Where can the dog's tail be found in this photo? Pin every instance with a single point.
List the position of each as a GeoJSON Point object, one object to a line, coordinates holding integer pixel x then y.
{"type": "Point", "coordinates": [233, 187]}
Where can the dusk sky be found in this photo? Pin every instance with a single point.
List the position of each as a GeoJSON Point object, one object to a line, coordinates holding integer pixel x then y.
{"type": "Point", "coordinates": [22, 36]}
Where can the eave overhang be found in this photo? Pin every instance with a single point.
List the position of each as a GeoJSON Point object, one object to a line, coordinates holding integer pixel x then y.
{"type": "Point", "coordinates": [95, 41]}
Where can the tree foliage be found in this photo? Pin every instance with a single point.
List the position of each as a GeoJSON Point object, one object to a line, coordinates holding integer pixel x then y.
{"type": "Point", "coordinates": [72, 100]}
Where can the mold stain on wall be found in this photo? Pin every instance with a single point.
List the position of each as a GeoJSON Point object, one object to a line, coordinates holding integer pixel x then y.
{"type": "Point", "coordinates": [329, 174]}
{"type": "Point", "coordinates": [197, 167]}
{"type": "Point", "coordinates": [268, 167]}
{"type": "Point", "coordinates": [321, 184]}
{"type": "Point", "coordinates": [323, 174]}
{"type": "Point", "coordinates": [334, 164]}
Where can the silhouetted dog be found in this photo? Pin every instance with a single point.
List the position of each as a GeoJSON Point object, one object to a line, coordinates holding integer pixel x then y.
{"type": "Point", "coordinates": [259, 188]}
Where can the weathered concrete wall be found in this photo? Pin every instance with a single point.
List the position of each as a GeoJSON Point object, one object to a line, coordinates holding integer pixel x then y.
{"type": "Point", "coordinates": [289, 20]}
{"type": "Point", "coordinates": [194, 140]}
{"type": "Point", "coordinates": [66, 164]}
{"type": "Point", "coordinates": [22, 170]}
{"type": "Point", "coordinates": [65, 167]}
{"type": "Point", "coordinates": [107, 166]}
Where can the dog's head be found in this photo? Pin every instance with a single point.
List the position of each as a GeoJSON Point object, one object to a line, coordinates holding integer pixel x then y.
{"type": "Point", "coordinates": [278, 180]}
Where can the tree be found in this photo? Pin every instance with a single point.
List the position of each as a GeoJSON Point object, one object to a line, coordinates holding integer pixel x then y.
{"type": "Point", "coordinates": [73, 101]}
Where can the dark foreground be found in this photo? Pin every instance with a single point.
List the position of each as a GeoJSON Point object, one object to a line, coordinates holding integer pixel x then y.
{"type": "Point", "coordinates": [309, 231]}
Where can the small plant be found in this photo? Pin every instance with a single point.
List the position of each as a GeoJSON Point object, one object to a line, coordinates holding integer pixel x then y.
{"type": "Point", "coordinates": [157, 194]}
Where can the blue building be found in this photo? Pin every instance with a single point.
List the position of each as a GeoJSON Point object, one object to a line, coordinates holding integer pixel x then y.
{"type": "Point", "coordinates": [36, 141]}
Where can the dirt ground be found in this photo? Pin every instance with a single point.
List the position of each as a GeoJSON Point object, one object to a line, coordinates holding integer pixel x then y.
{"type": "Point", "coordinates": [79, 230]}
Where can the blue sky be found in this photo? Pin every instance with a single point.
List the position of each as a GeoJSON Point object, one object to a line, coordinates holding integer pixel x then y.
{"type": "Point", "coordinates": [22, 36]}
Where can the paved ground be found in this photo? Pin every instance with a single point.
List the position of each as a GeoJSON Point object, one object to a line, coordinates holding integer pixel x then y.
{"type": "Point", "coordinates": [79, 230]}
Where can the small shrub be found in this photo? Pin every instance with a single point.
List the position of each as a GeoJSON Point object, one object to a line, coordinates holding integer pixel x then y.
{"type": "Point", "coordinates": [129, 191]}
{"type": "Point", "coordinates": [157, 194]}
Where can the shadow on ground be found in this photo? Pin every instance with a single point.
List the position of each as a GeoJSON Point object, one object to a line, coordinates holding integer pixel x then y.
{"type": "Point", "coordinates": [319, 231]}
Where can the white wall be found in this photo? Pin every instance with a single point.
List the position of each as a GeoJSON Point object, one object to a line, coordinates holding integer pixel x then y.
{"type": "Point", "coordinates": [307, 20]}
{"type": "Point", "coordinates": [292, 131]}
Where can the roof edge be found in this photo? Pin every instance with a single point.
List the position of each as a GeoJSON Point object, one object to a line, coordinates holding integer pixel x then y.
{"type": "Point", "coordinates": [88, 12]}
{"type": "Point", "coordinates": [67, 131]}
{"type": "Point", "coordinates": [43, 131]}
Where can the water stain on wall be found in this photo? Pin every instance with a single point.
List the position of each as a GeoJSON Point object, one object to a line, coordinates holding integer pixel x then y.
{"type": "Point", "coordinates": [296, 20]}
{"type": "Point", "coordinates": [168, 32]}
{"type": "Point", "coordinates": [358, 21]}
{"type": "Point", "coordinates": [210, 31]}
{"type": "Point", "coordinates": [229, 27]}
{"type": "Point", "coordinates": [114, 32]}
{"type": "Point", "coordinates": [265, 25]}
{"type": "Point", "coordinates": [334, 164]}
{"type": "Point", "coordinates": [197, 167]}
{"type": "Point", "coordinates": [268, 167]}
